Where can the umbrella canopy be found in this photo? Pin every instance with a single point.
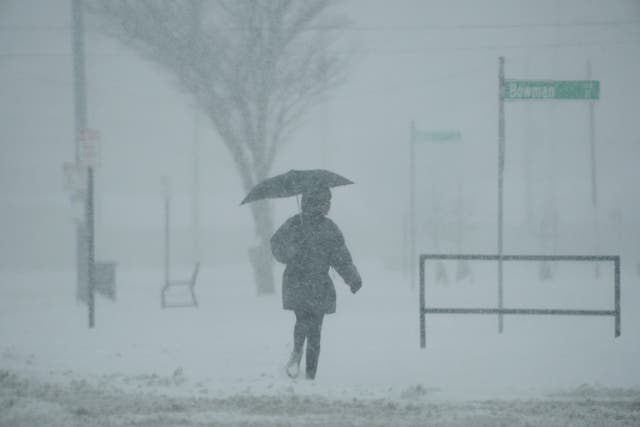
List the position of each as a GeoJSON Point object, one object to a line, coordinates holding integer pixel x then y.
{"type": "Point", "coordinates": [293, 183]}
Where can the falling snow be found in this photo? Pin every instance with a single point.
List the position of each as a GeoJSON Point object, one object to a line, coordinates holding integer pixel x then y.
{"type": "Point", "coordinates": [180, 112]}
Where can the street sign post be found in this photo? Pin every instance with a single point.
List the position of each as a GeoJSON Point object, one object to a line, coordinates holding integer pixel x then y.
{"type": "Point", "coordinates": [529, 90]}
{"type": "Point", "coordinates": [88, 159]}
{"type": "Point", "coordinates": [551, 89]}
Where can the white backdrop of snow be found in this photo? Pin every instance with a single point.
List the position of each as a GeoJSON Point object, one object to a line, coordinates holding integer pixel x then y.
{"type": "Point", "coordinates": [235, 344]}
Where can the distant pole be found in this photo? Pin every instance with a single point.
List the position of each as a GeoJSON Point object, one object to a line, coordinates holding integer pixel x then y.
{"type": "Point", "coordinates": [325, 116]}
{"type": "Point", "coordinates": [91, 246]}
{"type": "Point", "coordinates": [405, 246]}
{"type": "Point", "coordinates": [81, 124]}
{"type": "Point", "coordinates": [459, 216]}
{"type": "Point", "coordinates": [167, 212]}
{"type": "Point", "coordinates": [528, 160]}
{"type": "Point", "coordinates": [79, 77]}
{"type": "Point", "coordinates": [196, 27]}
{"type": "Point", "coordinates": [423, 332]}
{"type": "Point", "coordinates": [412, 215]}
{"type": "Point", "coordinates": [195, 191]}
{"type": "Point", "coordinates": [594, 181]}
{"type": "Point", "coordinates": [501, 156]}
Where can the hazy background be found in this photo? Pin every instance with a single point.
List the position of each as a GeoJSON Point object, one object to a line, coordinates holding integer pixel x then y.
{"type": "Point", "coordinates": [435, 62]}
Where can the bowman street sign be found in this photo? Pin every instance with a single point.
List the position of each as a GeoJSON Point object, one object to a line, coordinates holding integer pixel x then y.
{"type": "Point", "coordinates": [551, 89]}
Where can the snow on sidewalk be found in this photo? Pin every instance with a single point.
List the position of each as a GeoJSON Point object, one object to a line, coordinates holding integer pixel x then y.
{"type": "Point", "coordinates": [221, 364]}
{"type": "Point", "coordinates": [115, 401]}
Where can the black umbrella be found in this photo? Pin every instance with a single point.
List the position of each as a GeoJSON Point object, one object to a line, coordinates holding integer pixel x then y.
{"type": "Point", "coordinates": [293, 183]}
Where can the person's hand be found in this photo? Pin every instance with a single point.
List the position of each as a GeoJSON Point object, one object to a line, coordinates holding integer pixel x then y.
{"type": "Point", "coordinates": [355, 286]}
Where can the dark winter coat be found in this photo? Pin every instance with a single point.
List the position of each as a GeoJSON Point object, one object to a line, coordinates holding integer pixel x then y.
{"type": "Point", "coordinates": [309, 245]}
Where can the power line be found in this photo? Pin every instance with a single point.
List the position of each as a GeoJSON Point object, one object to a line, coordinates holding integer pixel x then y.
{"type": "Point", "coordinates": [367, 28]}
{"type": "Point", "coordinates": [432, 27]}
{"type": "Point", "coordinates": [412, 51]}
{"type": "Point", "coordinates": [435, 27]}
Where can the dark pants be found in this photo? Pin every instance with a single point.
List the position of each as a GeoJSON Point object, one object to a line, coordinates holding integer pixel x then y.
{"type": "Point", "coordinates": [309, 326]}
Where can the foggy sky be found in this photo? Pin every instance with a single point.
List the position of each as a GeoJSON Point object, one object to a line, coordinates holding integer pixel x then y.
{"type": "Point", "coordinates": [434, 62]}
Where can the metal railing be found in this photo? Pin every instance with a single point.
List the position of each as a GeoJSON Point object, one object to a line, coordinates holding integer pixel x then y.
{"type": "Point", "coordinates": [424, 310]}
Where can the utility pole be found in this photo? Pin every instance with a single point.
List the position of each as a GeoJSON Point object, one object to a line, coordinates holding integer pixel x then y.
{"type": "Point", "coordinates": [412, 203]}
{"type": "Point", "coordinates": [81, 126]}
{"type": "Point", "coordinates": [501, 155]}
{"type": "Point", "coordinates": [79, 76]}
{"type": "Point", "coordinates": [528, 160]}
{"type": "Point", "coordinates": [195, 189]}
{"type": "Point", "coordinates": [594, 181]}
{"type": "Point", "coordinates": [91, 247]}
{"type": "Point", "coordinates": [166, 190]}
{"type": "Point", "coordinates": [405, 246]}
{"type": "Point", "coordinates": [195, 178]}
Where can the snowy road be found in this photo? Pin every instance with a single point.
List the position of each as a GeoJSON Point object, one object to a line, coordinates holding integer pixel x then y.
{"type": "Point", "coordinates": [73, 402]}
{"type": "Point", "coordinates": [218, 366]}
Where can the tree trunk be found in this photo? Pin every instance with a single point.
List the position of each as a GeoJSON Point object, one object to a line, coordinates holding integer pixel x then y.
{"type": "Point", "coordinates": [260, 255]}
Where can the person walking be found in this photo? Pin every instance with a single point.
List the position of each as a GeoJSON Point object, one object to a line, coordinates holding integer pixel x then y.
{"type": "Point", "coordinates": [309, 244]}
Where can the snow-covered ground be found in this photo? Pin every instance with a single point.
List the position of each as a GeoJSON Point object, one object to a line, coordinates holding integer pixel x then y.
{"type": "Point", "coordinates": [222, 363]}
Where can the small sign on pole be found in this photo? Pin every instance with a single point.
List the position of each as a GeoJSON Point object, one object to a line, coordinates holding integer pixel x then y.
{"type": "Point", "coordinates": [105, 277]}
{"type": "Point", "coordinates": [104, 272]}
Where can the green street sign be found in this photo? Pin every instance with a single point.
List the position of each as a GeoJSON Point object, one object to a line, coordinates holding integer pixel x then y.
{"type": "Point", "coordinates": [551, 89]}
{"type": "Point", "coordinates": [437, 136]}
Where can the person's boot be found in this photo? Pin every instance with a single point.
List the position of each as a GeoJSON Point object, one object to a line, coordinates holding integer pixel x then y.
{"type": "Point", "coordinates": [312, 362]}
{"type": "Point", "coordinates": [293, 366]}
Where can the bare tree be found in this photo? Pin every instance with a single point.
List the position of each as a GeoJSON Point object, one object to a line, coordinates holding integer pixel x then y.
{"type": "Point", "coordinates": [253, 66]}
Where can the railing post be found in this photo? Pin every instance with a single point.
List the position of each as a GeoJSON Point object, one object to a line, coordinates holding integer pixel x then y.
{"type": "Point", "coordinates": [500, 310]}
{"type": "Point", "coordinates": [617, 297]}
{"type": "Point", "coordinates": [423, 338]}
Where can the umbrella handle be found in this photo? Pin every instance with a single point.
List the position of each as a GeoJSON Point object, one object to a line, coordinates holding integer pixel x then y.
{"type": "Point", "coordinates": [299, 210]}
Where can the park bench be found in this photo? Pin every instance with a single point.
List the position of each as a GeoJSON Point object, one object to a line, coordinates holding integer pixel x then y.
{"type": "Point", "coordinates": [184, 295]}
